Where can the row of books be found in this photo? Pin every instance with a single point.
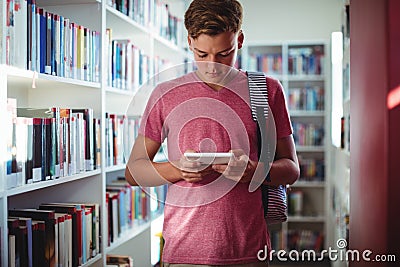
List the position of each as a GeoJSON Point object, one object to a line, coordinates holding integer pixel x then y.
{"type": "Point", "coordinates": [306, 98]}
{"type": "Point", "coordinates": [129, 206]}
{"type": "Point", "coordinates": [45, 42]}
{"type": "Point", "coordinates": [311, 169]}
{"type": "Point", "coordinates": [120, 135]}
{"type": "Point", "coordinates": [308, 134]}
{"type": "Point", "coordinates": [300, 240]}
{"type": "Point", "coordinates": [129, 66]}
{"type": "Point", "coordinates": [113, 260]}
{"type": "Point", "coordinates": [306, 61]}
{"type": "Point", "coordinates": [297, 240]}
{"type": "Point", "coordinates": [270, 63]}
{"type": "Point", "coordinates": [54, 234]}
{"type": "Point", "coordinates": [44, 144]}
{"type": "Point", "coordinates": [151, 13]}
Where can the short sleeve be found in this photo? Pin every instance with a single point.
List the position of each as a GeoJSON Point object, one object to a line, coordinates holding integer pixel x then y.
{"type": "Point", "coordinates": [279, 109]}
{"type": "Point", "coordinates": [151, 125]}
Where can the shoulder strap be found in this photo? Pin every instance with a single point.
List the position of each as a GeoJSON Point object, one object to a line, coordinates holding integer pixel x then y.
{"type": "Point", "coordinates": [260, 110]}
{"type": "Point", "coordinates": [258, 94]}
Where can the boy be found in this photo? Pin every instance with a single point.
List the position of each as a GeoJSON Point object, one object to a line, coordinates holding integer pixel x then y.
{"type": "Point", "coordinates": [211, 218]}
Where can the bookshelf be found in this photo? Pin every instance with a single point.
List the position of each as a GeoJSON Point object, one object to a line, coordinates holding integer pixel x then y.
{"type": "Point", "coordinates": [340, 184]}
{"type": "Point", "coordinates": [94, 89]}
{"type": "Point", "coordinates": [302, 68]}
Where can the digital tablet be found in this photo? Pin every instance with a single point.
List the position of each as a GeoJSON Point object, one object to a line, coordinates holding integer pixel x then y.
{"type": "Point", "coordinates": [210, 158]}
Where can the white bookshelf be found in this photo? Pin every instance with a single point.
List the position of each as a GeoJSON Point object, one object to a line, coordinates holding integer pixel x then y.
{"type": "Point", "coordinates": [35, 90]}
{"type": "Point", "coordinates": [275, 60]}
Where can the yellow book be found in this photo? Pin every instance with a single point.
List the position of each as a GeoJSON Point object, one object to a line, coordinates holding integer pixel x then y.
{"type": "Point", "coordinates": [80, 52]}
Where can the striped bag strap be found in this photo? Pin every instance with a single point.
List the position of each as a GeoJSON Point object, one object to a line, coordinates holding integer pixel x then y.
{"type": "Point", "coordinates": [258, 94]}
{"type": "Point", "coordinates": [260, 111]}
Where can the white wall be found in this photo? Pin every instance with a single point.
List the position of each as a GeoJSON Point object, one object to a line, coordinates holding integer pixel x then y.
{"type": "Point", "coordinates": [290, 20]}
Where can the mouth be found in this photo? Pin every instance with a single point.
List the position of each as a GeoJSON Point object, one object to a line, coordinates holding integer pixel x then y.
{"type": "Point", "coordinates": [213, 74]}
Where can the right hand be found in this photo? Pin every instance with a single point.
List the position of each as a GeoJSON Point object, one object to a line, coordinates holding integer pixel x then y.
{"type": "Point", "coordinates": [192, 171]}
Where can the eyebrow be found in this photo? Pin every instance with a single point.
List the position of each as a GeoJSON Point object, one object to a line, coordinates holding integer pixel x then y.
{"type": "Point", "coordinates": [226, 50]}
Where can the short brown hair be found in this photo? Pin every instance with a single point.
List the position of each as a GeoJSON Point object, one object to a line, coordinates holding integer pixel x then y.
{"type": "Point", "coordinates": [212, 17]}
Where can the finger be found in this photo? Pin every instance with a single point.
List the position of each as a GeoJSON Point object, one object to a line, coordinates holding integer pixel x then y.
{"type": "Point", "coordinates": [219, 167]}
{"type": "Point", "coordinates": [237, 152]}
{"type": "Point", "coordinates": [193, 180]}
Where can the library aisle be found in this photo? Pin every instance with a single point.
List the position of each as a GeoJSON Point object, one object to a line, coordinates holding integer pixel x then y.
{"type": "Point", "coordinates": [70, 70]}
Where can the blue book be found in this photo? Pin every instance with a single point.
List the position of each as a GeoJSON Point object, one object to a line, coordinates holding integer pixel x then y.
{"type": "Point", "coordinates": [53, 45]}
{"type": "Point", "coordinates": [34, 34]}
{"type": "Point", "coordinates": [43, 40]}
{"type": "Point", "coordinates": [62, 52]}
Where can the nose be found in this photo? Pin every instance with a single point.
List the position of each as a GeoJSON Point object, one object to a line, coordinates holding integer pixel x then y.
{"type": "Point", "coordinates": [212, 66]}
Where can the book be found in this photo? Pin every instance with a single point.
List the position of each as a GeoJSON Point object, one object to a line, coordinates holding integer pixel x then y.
{"type": "Point", "coordinates": [88, 140]}
{"type": "Point", "coordinates": [13, 230]}
{"type": "Point", "coordinates": [28, 239]}
{"type": "Point", "coordinates": [12, 258]}
{"type": "Point", "coordinates": [78, 222]}
{"type": "Point", "coordinates": [11, 159]}
{"type": "Point", "coordinates": [50, 228]}
{"type": "Point", "coordinates": [37, 150]}
{"type": "Point", "coordinates": [38, 243]}
{"type": "Point", "coordinates": [21, 25]}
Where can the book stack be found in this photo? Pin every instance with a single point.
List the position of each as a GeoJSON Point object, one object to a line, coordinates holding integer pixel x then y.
{"type": "Point", "coordinates": [127, 206]}
{"type": "Point", "coordinates": [270, 63]}
{"type": "Point", "coordinates": [55, 234]}
{"type": "Point", "coordinates": [120, 134]}
{"type": "Point", "coordinates": [45, 42]}
{"type": "Point", "coordinates": [306, 60]}
{"type": "Point", "coordinates": [154, 14]}
{"type": "Point", "coordinates": [311, 169]}
{"type": "Point", "coordinates": [119, 261]}
{"type": "Point", "coordinates": [300, 240]}
{"type": "Point", "coordinates": [307, 98]}
{"type": "Point", "coordinates": [308, 134]}
{"type": "Point", "coordinates": [130, 206]}
{"type": "Point", "coordinates": [44, 144]}
{"type": "Point", "coordinates": [129, 67]}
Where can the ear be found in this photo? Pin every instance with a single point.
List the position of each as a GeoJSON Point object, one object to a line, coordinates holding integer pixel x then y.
{"type": "Point", "coordinates": [240, 39]}
{"type": "Point", "coordinates": [189, 39]}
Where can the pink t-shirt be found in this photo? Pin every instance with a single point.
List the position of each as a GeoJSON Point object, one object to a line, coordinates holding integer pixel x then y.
{"type": "Point", "coordinates": [216, 221]}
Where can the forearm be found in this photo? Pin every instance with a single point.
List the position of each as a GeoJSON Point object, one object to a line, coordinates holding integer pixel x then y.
{"type": "Point", "coordinates": [283, 171]}
{"type": "Point", "coordinates": [144, 172]}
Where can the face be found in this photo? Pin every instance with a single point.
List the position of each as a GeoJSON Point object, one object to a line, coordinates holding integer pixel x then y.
{"type": "Point", "coordinates": [215, 55]}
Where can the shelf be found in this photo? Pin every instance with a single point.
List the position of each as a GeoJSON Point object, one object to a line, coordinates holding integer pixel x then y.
{"type": "Point", "coordinates": [310, 148]}
{"type": "Point", "coordinates": [128, 235]}
{"type": "Point", "coordinates": [119, 92]}
{"type": "Point", "coordinates": [306, 113]}
{"type": "Point", "coordinates": [43, 3]}
{"type": "Point", "coordinates": [306, 78]}
{"type": "Point", "coordinates": [119, 19]}
{"type": "Point", "coordinates": [40, 185]}
{"type": "Point", "coordinates": [309, 184]}
{"type": "Point", "coordinates": [307, 219]}
{"type": "Point", "coordinates": [32, 79]}
{"type": "Point", "coordinates": [91, 261]}
{"type": "Point", "coordinates": [115, 168]}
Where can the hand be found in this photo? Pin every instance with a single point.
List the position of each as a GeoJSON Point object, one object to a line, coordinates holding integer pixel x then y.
{"type": "Point", "coordinates": [192, 171]}
{"type": "Point", "coordinates": [240, 169]}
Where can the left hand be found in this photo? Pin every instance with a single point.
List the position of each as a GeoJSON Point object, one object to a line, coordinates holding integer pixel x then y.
{"type": "Point", "coordinates": [240, 168]}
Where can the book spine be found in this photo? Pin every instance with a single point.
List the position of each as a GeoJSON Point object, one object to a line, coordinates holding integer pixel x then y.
{"type": "Point", "coordinates": [21, 26]}
{"type": "Point", "coordinates": [37, 149]}
{"type": "Point", "coordinates": [49, 19]}
{"type": "Point", "coordinates": [43, 40]}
